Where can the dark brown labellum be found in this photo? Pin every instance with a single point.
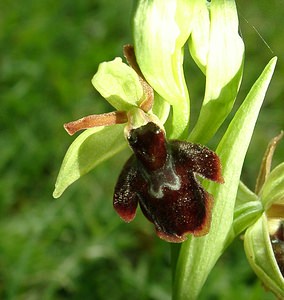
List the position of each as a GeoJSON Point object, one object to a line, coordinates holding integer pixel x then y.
{"type": "Point", "coordinates": [161, 177]}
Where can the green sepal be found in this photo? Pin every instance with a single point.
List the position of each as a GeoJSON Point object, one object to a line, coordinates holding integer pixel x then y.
{"type": "Point", "coordinates": [224, 69]}
{"type": "Point", "coordinates": [119, 84]}
{"type": "Point", "coordinates": [90, 148]}
{"type": "Point", "coordinates": [160, 32]}
{"type": "Point", "coordinates": [202, 253]}
{"type": "Point", "coordinates": [261, 257]}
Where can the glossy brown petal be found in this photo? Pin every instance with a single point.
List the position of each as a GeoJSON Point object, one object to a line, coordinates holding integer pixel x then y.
{"type": "Point", "coordinates": [162, 177]}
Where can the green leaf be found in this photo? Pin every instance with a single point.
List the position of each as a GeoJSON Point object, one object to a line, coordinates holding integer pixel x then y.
{"type": "Point", "coordinates": [90, 148]}
{"type": "Point", "coordinates": [118, 84]}
{"type": "Point", "coordinates": [261, 257]}
{"type": "Point", "coordinates": [198, 255]}
{"type": "Point", "coordinates": [224, 68]}
{"type": "Point", "coordinates": [160, 32]}
{"type": "Point", "coordinates": [273, 189]}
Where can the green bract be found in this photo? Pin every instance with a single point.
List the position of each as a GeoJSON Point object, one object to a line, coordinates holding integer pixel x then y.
{"type": "Point", "coordinates": [118, 84]}
{"type": "Point", "coordinates": [202, 253]}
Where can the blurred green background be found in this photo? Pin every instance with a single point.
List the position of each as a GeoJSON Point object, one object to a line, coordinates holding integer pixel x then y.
{"type": "Point", "coordinates": [76, 247]}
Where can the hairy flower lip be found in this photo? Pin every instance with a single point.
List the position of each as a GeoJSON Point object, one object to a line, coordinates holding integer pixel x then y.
{"type": "Point", "coordinates": [160, 176]}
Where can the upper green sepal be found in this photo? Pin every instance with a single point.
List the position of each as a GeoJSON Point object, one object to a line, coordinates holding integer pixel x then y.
{"type": "Point", "coordinates": [119, 84]}
{"type": "Point", "coordinates": [160, 32]}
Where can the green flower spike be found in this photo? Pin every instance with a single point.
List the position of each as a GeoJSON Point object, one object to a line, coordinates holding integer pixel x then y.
{"type": "Point", "coordinates": [264, 240]}
{"type": "Point", "coordinates": [124, 88]}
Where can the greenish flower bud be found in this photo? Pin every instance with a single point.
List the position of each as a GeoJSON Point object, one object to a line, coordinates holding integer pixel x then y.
{"type": "Point", "coordinates": [258, 242]}
{"type": "Point", "coordinates": [264, 241]}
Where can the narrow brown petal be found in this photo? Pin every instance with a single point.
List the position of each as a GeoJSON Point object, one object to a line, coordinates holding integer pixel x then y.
{"type": "Point", "coordinates": [129, 54]}
{"type": "Point", "coordinates": [115, 117]}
